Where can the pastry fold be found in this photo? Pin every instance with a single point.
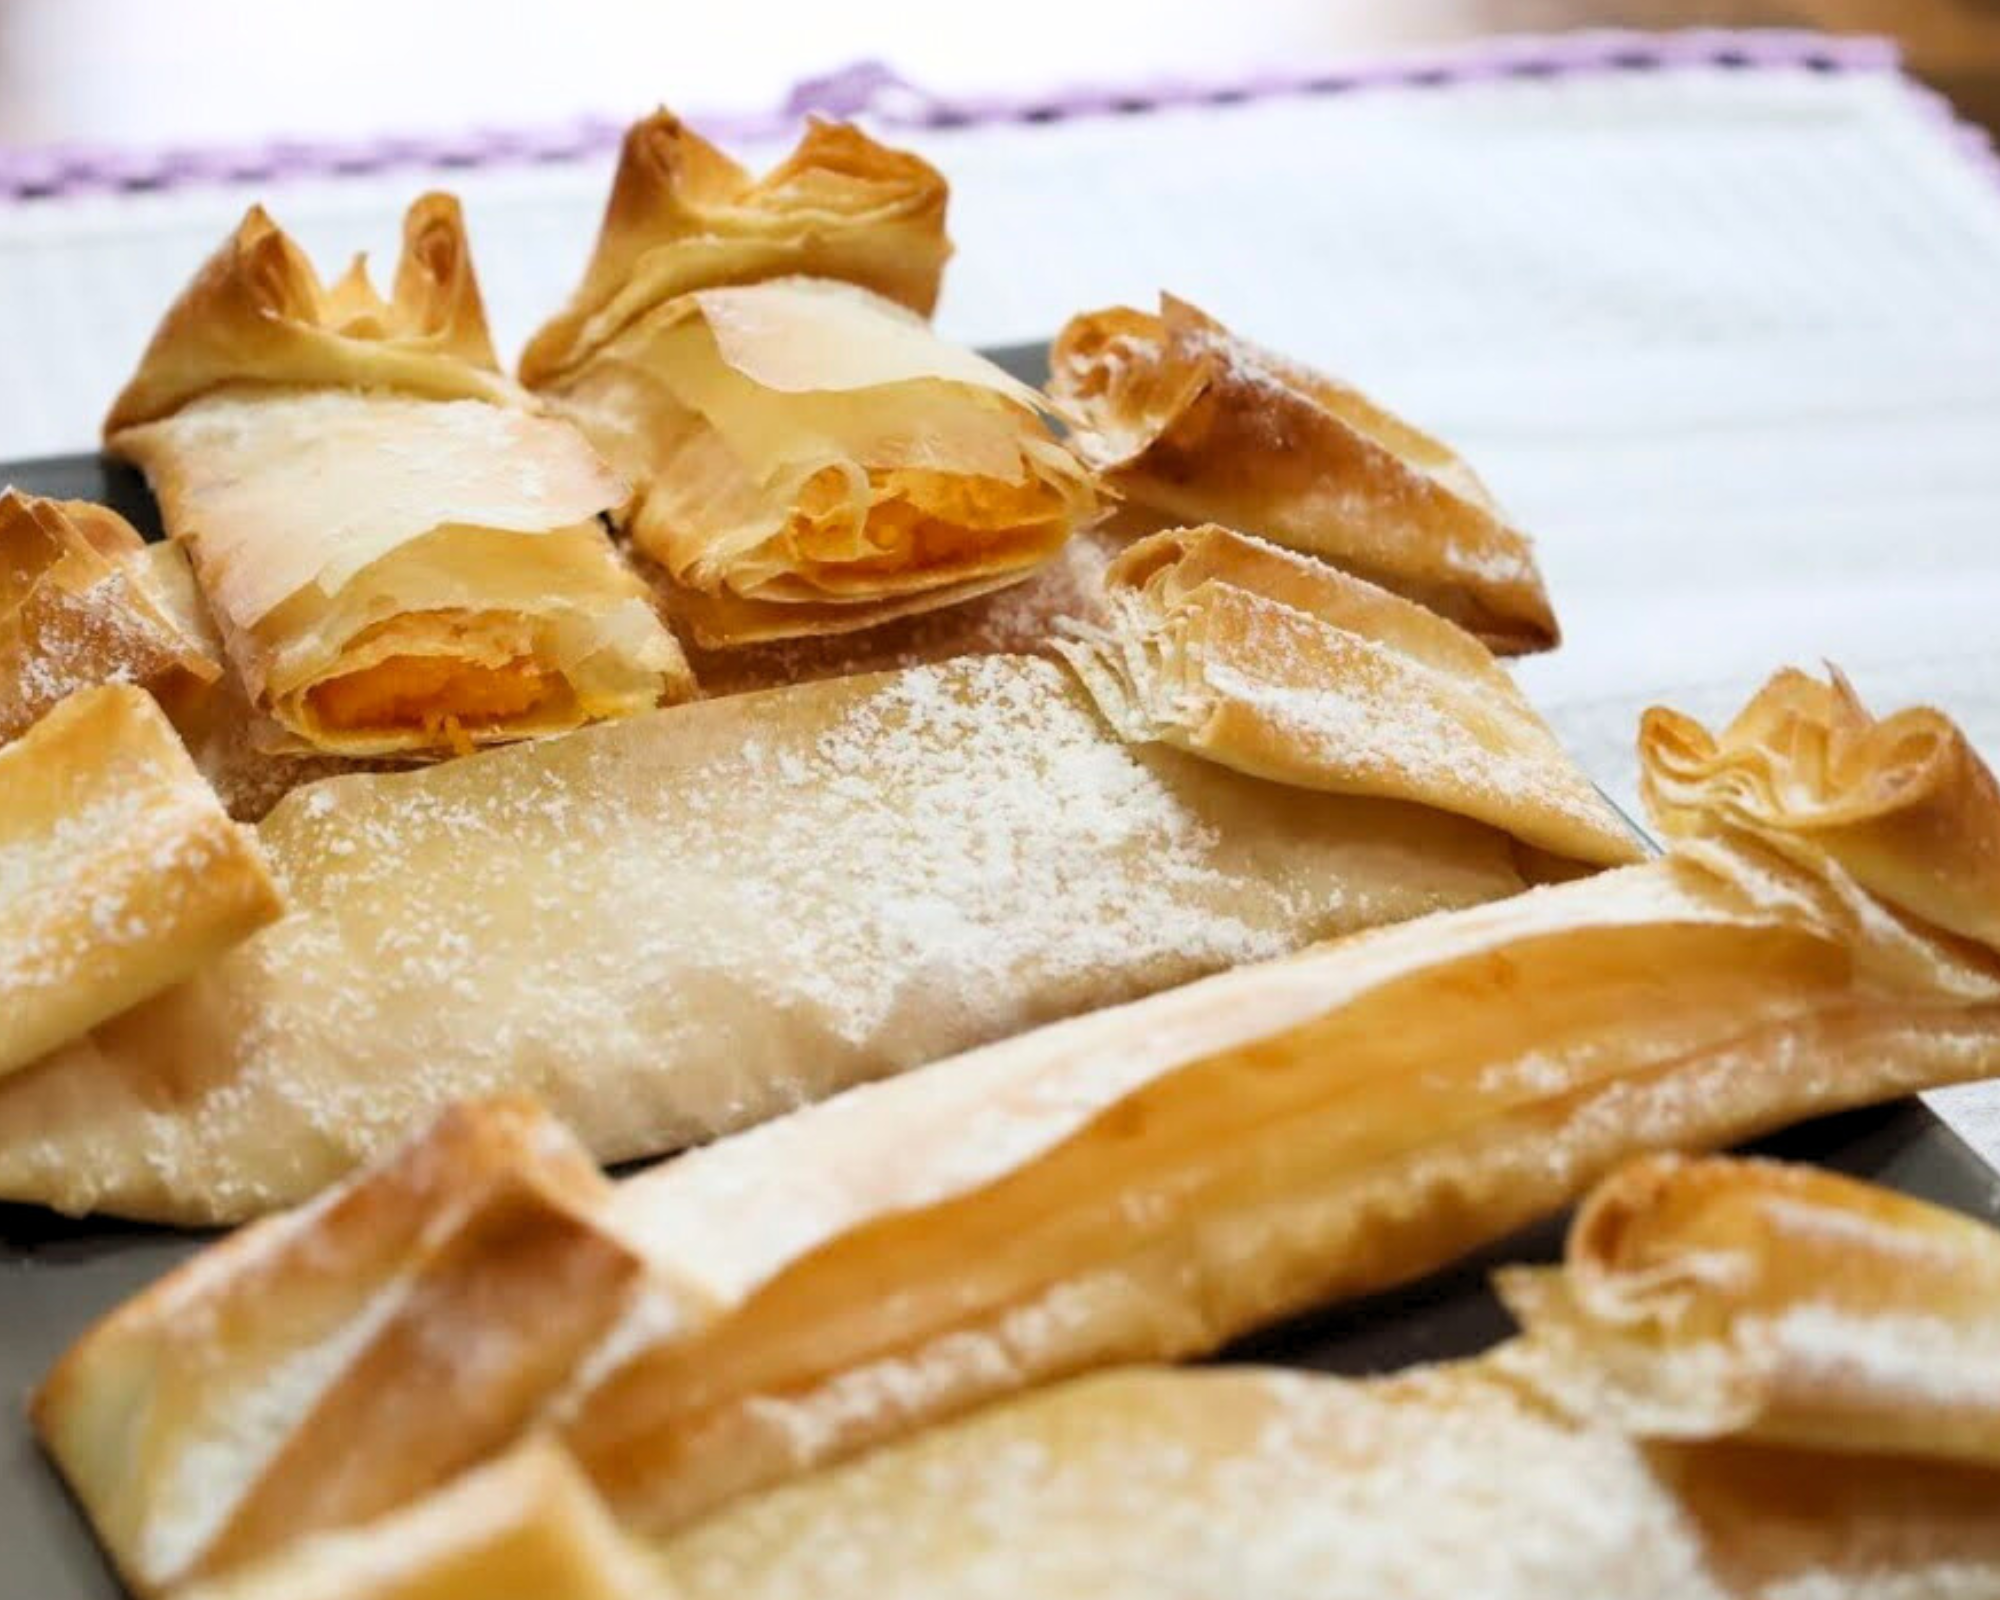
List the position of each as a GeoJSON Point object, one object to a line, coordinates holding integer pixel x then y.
{"type": "Point", "coordinates": [402, 557]}
{"type": "Point", "coordinates": [684, 216]}
{"type": "Point", "coordinates": [807, 457]}
{"type": "Point", "coordinates": [1204, 650]}
{"type": "Point", "coordinates": [1186, 422]}
{"type": "Point", "coordinates": [119, 873]}
{"type": "Point", "coordinates": [1785, 1304]}
{"type": "Point", "coordinates": [84, 601]}
{"type": "Point", "coordinates": [257, 313]}
{"type": "Point", "coordinates": [686, 922]}
{"type": "Point", "coordinates": [1489, 1477]}
{"type": "Point", "coordinates": [1152, 1180]}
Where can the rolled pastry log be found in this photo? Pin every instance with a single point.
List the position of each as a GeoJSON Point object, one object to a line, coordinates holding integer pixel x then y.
{"type": "Point", "coordinates": [401, 555]}
{"type": "Point", "coordinates": [1186, 422]}
{"type": "Point", "coordinates": [1465, 1479]}
{"type": "Point", "coordinates": [807, 457]}
{"type": "Point", "coordinates": [1142, 1183]}
{"type": "Point", "coordinates": [1702, 1298]}
{"type": "Point", "coordinates": [683, 216]}
{"type": "Point", "coordinates": [84, 601]}
{"type": "Point", "coordinates": [119, 873]}
{"type": "Point", "coordinates": [684, 923]}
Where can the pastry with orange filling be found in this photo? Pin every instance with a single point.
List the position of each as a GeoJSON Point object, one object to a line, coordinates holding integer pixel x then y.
{"type": "Point", "coordinates": [403, 556]}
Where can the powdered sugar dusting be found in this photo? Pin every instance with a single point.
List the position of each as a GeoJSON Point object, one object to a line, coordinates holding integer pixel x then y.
{"type": "Point", "coordinates": [689, 921]}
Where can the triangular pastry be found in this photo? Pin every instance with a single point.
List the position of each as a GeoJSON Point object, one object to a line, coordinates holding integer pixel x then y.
{"type": "Point", "coordinates": [683, 923]}
{"type": "Point", "coordinates": [402, 555]}
{"type": "Point", "coordinates": [1152, 1180]}
{"type": "Point", "coordinates": [120, 875]}
{"type": "Point", "coordinates": [1186, 422]}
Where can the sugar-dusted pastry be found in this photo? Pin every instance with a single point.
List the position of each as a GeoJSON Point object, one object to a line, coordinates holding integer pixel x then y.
{"type": "Point", "coordinates": [84, 601]}
{"type": "Point", "coordinates": [119, 873]}
{"type": "Point", "coordinates": [807, 457]}
{"type": "Point", "coordinates": [681, 924]}
{"type": "Point", "coordinates": [1149, 1181]}
{"type": "Point", "coordinates": [1186, 422]}
{"type": "Point", "coordinates": [1204, 654]}
{"type": "Point", "coordinates": [684, 216]}
{"type": "Point", "coordinates": [525, 1527]}
{"type": "Point", "coordinates": [1787, 1304]}
{"type": "Point", "coordinates": [402, 555]}
{"type": "Point", "coordinates": [1498, 1477]}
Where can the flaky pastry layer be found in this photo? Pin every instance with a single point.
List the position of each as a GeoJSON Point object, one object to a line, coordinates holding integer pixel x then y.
{"type": "Point", "coordinates": [1186, 422]}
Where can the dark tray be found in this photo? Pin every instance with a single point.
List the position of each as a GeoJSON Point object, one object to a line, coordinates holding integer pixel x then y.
{"type": "Point", "coordinates": [56, 1276]}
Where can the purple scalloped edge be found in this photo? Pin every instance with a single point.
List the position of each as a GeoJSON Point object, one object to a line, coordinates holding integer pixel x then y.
{"type": "Point", "coordinates": [58, 172]}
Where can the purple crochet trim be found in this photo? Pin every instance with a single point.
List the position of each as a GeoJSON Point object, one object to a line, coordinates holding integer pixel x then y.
{"type": "Point", "coordinates": [874, 88]}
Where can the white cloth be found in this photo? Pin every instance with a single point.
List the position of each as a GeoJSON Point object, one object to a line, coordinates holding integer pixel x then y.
{"type": "Point", "coordinates": [1727, 342]}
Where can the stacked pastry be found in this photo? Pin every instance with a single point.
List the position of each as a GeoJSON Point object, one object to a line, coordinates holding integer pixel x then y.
{"type": "Point", "coordinates": [1847, 1460]}
{"type": "Point", "coordinates": [1146, 1182]}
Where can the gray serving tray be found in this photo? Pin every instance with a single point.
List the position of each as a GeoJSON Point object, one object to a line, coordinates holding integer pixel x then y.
{"type": "Point", "coordinates": [57, 1275]}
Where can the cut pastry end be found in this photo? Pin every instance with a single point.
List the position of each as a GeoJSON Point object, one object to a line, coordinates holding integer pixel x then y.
{"type": "Point", "coordinates": [809, 458]}
{"type": "Point", "coordinates": [1189, 423]}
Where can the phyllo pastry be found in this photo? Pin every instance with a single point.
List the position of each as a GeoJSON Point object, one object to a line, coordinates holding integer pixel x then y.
{"type": "Point", "coordinates": [1186, 422]}
{"type": "Point", "coordinates": [684, 216]}
{"type": "Point", "coordinates": [683, 923]}
{"type": "Point", "coordinates": [807, 457]}
{"type": "Point", "coordinates": [1785, 1304]}
{"type": "Point", "coordinates": [119, 873]}
{"type": "Point", "coordinates": [1146, 1182]}
{"type": "Point", "coordinates": [84, 601]}
{"type": "Point", "coordinates": [402, 555]}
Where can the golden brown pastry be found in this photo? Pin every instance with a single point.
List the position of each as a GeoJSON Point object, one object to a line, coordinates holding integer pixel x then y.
{"type": "Point", "coordinates": [685, 923]}
{"type": "Point", "coordinates": [1496, 1477]}
{"type": "Point", "coordinates": [1149, 1181]}
{"type": "Point", "coordinates": [526, 1527]}
{"type": "Point", "coordinates": [1785, 1304]}
{"type": "Point", "coordinates": [683, 216]}
{"type": "Point", "coordinates": [119, 873]}
{"type": "Point", "coordinates": [807, 457]}
{"type": "Point", "coordinates": [257, 313]}
{"type": "Point", "coordinates": [84, 601]}
{"type": "Point", "coordinates": [1204, 654]}
{"type": "Point", "coordinates": [402, 556]}
{"type": "Point", "coordinates": [1188, 423]}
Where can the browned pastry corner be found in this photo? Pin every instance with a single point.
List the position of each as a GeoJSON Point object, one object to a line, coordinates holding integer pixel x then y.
{"type": "Point", "coordinates": [808, 458]}
{"type": "Point", "coordinates": [120, 875]}
{"type": "Point", "coordinates": [1186, 422]}
{"type": "Point", "coordinates": [257, 312]}
{"type": "Point", "coordinates": [84, 601]}
{"type": "Point", "coordinates": [1151, 1180]}
{"type": "Point", "coordinates": [684, 216]}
